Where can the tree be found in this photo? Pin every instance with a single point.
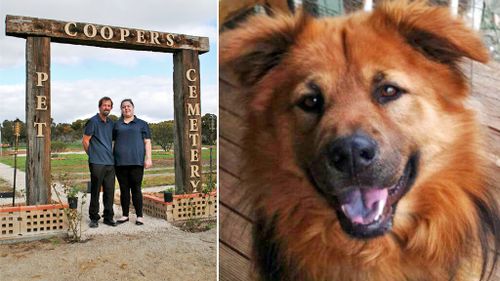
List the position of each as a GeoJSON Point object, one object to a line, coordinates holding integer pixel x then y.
{"type": "Point", "coordinates": [77, 127]}
{"type": "Point", "coordinates": [58, 146]}
{"type": "Point", "coordinates": [113, 117]}
{"type": "Point", "coordinates": [62, 132]}
{"type": "Point", "coordinates": [8, 132]}
{"type": "Point", "coordinates": [162, 134]}
{"type": "Point", "coordinates": [208, 129]}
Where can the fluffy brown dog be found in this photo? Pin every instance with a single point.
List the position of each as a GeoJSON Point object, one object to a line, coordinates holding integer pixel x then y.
{"type": "Point", "coordinates": [365, 161]}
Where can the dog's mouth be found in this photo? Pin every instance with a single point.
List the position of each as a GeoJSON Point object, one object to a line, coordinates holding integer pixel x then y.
{"type": "Point", "coordinates": [367, 211]}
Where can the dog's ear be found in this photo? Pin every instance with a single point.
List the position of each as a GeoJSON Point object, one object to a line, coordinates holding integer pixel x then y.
{"type": "Point", "coordinates": [432, 31]}
{"type": "Point", "coordinates": [252, 50]}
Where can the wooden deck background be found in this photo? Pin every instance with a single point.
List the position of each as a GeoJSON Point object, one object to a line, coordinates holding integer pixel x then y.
{"type": "Point", "coordinates": [236, 218]}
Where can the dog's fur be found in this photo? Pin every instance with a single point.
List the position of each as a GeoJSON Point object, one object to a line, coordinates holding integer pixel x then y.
{"type": "Point", "coordinates": [446, 225]}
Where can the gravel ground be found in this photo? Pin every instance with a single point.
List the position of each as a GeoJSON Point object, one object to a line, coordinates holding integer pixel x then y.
{"type": "Point", "coordinates": [163, 254]}
{"type": "Point", "coordinates": [156, 250]}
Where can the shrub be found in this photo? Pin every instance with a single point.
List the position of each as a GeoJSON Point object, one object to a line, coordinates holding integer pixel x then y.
{"type": "Point", "coordinates": [58, 146]}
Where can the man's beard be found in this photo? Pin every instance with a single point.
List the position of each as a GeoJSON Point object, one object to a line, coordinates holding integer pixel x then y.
{"type": "Point", "coordinates": [106, 112]}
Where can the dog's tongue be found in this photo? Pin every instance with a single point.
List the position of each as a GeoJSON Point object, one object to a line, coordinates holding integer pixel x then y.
{"type": "Point", "coordinates": [364, 206]}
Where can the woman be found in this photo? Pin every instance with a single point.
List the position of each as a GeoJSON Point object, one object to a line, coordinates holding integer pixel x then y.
{"type": "Point", "coordinates": [132, 153]}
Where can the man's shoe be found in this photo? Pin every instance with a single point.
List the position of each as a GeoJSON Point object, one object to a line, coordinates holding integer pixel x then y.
{"type": "Point", "coordinates": [110, 222]}
{"type": "Point", "coordinates": [93, 224]}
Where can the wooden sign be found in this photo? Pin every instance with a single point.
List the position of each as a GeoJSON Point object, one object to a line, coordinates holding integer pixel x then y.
{"type": "Point", "coordinates": [103, 35]}
{"type": "Point", "coordinates": [39, 33]}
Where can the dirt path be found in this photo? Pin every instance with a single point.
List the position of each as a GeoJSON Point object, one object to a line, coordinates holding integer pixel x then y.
{"type": "Point", "coordinates": [162, 254]}
{"type": "Point", "coordinates": [155, 251]}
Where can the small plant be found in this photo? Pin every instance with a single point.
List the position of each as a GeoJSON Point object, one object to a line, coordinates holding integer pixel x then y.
{"type": "Point", "coordinates": [169, 189]}
{"type": "Point", "coordinates": [168, 194]}
{"type": "Point", "coordinates": [72, 191]}
{"type": "Point", "coordinates": [209, 186]}
{"type": "Point", "coordinates": [74, 216]}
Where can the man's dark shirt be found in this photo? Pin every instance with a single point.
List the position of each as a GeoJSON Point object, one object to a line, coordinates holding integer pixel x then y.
{"type": "Point", "coordinates": [100, 148]}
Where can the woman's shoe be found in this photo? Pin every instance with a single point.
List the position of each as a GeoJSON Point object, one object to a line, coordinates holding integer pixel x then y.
{"type": "Point", "coordinates": [139, 221]}
{"type": "Point", "coordinates": [122, 220]}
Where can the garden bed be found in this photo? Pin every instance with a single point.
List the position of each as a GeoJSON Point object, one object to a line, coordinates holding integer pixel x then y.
{"type": "Point", "coordinates": [183, 207]}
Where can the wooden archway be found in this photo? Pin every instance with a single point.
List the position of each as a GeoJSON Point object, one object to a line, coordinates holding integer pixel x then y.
{"type": "Point", "coordinates": [39, 33]}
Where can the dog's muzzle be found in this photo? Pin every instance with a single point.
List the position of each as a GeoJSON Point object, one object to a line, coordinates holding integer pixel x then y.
{"type": "Point", "coordinates": [360, 185]}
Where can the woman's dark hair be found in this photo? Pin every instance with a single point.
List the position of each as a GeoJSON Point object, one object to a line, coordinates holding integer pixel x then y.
{"type": "Point", "coordinates": [125, 100]}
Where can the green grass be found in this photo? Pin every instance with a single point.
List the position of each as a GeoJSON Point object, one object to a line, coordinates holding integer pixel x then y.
{"type": "Point", "coordinates": [170, 169]}
{"type": "Point", "coordinates": [205, 153]}
{"type": "Point", "coordinates": [9, 160]}
{"type": "Point", "coordinates": [162, 170]}
{"type": "Point", "coordinates": [77, 161]}
{"type": "Point", "coordinates": [77, 145]}
{"type": "Point", "coordinates": [158, 180]}
{"type": "Point", "coordinates": [162, 154]}
{"type": "Point", "coordinates": [76, 167]}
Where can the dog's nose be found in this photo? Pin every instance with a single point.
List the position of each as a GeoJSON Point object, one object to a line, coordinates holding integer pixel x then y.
{"type": "Point", "coordinates": [352, 154]}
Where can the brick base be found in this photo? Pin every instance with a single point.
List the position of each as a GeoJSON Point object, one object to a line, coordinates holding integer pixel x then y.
{"type": "Point", "coordinates": [29, 221]}
{"type": "Point", "coordinates": [183, 207]}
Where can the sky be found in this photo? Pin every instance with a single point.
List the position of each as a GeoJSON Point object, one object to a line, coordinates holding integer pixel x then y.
{"type": "Point", "coordinates": [81, 75]}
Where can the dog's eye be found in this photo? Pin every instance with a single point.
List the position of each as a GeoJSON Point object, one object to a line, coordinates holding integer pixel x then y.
{"type": "Point", "coordinates": [390, 91]}
{"type": "Point", "coordinates": [387, 93]}
{"type": "Point", "coordinates": [312, 103]}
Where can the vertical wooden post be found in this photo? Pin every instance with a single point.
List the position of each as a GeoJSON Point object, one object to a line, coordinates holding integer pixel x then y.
{"type": "Point", "coordinates": [187, 115]}
{"type": "Point", "coordinates": [38, 120]}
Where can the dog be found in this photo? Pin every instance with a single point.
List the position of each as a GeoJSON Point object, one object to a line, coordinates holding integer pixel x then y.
{"type": "Point", "coordinates": [363, 158]}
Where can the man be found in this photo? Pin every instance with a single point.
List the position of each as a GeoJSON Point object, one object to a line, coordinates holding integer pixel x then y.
{"type": "Point", "coordinates": [97, 142]}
